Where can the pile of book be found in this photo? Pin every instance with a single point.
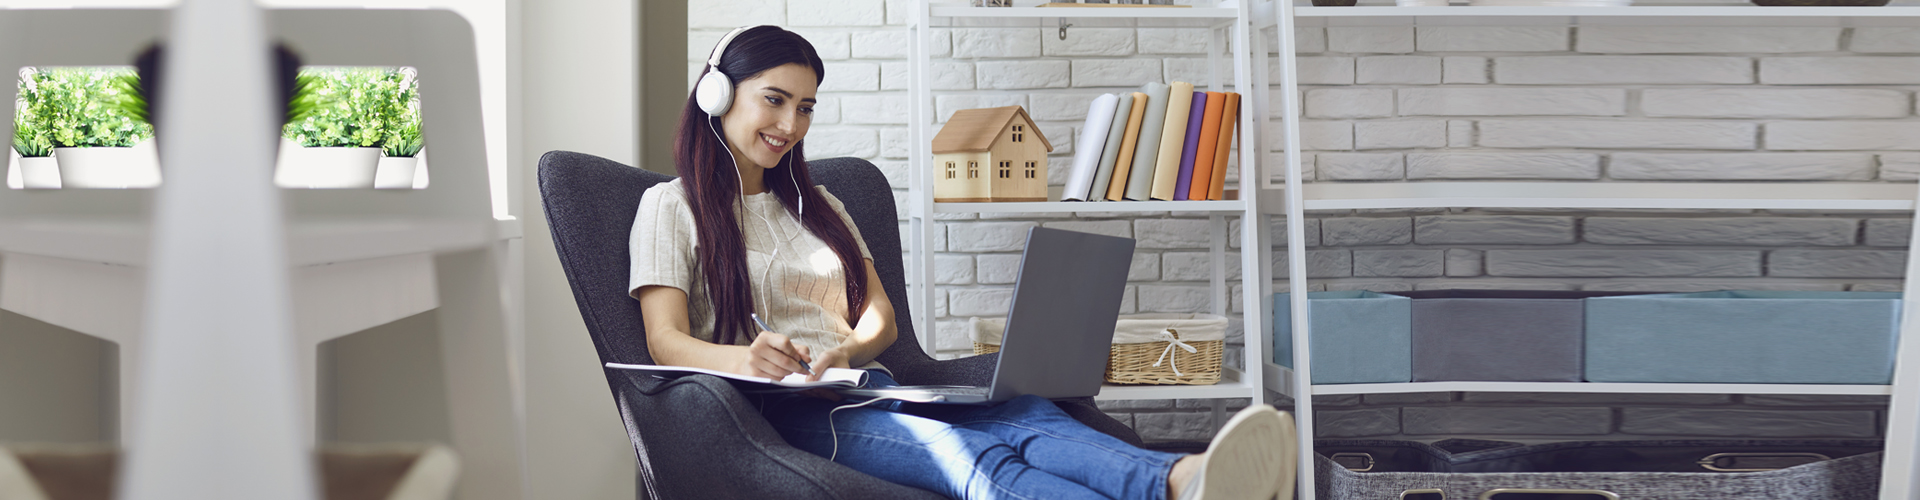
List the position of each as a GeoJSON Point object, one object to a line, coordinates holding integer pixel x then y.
{"type": "Point", "coordinates": [1165, 142]}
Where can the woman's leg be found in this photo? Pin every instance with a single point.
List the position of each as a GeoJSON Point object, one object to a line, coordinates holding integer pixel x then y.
{"type": "Point", "coordinates": [1053, 441]}
{"type": "Point", "coordinates": [919, 452]}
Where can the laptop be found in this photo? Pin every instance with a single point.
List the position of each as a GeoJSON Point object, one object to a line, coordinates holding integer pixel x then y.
{"type": "Point", "coordinates": [1060, 329]}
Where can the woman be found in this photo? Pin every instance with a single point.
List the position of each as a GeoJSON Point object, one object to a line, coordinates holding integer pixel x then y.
{"type": "Point", "coordinates": [736, 239]}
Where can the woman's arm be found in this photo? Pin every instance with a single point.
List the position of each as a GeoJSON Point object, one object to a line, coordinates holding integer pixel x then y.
{"type": "Point", "coordinates": [772, 355]}
{"type": "Point", "coordinates": [872, 333]}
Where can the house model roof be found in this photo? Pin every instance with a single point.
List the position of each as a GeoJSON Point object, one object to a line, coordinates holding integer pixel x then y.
{"type": "Point", "coordinates": [973, 130]}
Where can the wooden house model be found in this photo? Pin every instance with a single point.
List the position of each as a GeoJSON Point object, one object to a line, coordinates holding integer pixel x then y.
{"type": "Point", "coordinates": [990, 154]}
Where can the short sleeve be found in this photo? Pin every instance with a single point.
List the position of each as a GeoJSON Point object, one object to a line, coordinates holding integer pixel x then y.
{"type": "Point", "coordinates": [662, 243]}
{"type": "Point", "coordinates": [838, 208]}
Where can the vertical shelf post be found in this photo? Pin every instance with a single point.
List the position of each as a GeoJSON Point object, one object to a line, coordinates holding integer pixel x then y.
{"type": "Point", "coordinates": [920, 226]}
{"type": "Point", "coordinates": [1296, 248]}
{"type": "Point", "coordinates": [1903, 409]}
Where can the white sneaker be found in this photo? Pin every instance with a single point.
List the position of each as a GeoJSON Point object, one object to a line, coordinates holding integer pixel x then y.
{"type": "Point", "coordinates": [1252, 458]}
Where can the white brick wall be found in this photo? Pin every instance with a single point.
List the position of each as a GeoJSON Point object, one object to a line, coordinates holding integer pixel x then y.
{"type": "Point", "coordinates": [1594, 103]}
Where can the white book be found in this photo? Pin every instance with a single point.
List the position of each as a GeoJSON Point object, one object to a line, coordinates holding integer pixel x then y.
{"type": "Point", "coordinates": [1093, 142]}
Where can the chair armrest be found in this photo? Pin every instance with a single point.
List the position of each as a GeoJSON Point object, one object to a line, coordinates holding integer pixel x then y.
{"type": "Point", "coordinates": [725, 449]}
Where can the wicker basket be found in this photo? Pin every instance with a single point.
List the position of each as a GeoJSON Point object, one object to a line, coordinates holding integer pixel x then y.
{"type": "Point", "coordinates": [1140, 343]}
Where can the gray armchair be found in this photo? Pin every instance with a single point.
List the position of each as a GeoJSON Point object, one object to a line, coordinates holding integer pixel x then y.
{"type": "Point", "coordinates": [698, 437]}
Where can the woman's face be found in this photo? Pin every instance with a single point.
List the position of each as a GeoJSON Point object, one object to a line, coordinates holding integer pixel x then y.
{"type": "Point", "coordinates": [770, 115]}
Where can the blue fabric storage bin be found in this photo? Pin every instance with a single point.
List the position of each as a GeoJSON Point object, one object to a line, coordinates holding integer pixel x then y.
{"type": "Point", "coordinates": [1743, 337]}
{"type": "Point", "coordinates": [1359, 337]}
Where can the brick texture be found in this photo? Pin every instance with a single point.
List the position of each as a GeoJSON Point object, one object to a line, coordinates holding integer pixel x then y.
{"type": "Point", "coordinates": [1391, 104]}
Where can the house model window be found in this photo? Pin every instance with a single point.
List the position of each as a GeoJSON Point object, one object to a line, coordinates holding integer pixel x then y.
{"type": "Point", "coordinates": [996, 138]}
{"type": "Point", "coordinates": [949, 170]}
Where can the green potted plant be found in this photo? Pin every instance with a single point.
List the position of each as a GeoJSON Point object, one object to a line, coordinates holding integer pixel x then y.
{"type": "Point", "coordinates": [337, 122]}
{"type": "Point", "coordinates": [37, 167]}
{"type": "Point", "coordinates": [400, 155]}
{"type": "Point", "coordinates": [94, 119]}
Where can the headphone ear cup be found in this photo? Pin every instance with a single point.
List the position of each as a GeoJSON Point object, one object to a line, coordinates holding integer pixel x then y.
{"type": "Point", "coordinates": [714, 93]}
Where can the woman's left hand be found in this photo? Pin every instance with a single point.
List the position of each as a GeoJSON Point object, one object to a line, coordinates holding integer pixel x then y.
{"type": "Point", "coordinates": [830, 358]}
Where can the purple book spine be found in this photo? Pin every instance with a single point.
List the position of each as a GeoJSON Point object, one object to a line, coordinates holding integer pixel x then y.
{"type": "Point", "coordinates": [1194, 120]}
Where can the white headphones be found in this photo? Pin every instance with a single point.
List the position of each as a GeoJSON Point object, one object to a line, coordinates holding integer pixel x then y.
{"type": "Point", "coordinates": [714, 93]}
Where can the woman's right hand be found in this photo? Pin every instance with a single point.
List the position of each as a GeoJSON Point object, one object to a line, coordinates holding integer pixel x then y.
{"type": "Point", "coordinates": [773, 356]}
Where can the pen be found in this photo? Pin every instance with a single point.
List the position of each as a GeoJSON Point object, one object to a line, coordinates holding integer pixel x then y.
{"type": "Point", "coordinates": [763, 326]}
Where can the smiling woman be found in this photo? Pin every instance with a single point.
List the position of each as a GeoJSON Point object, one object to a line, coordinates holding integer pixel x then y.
{"type": "Point", "coordinates": [732, 238]}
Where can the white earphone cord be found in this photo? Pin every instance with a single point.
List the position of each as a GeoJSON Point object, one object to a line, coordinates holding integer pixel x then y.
{"type": "Point", "coordinates": [766, 276]}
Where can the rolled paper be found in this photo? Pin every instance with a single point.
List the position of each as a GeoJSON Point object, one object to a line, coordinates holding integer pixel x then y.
{"type": "Point", "coordinates": [1140, 179]}
{"type": "Point", "coordinates": [1103, 176]}
{"type": "Point", "coordinates": [1203, 154]}
{"type": "Point", "coordinates": [1229, 118]}
{"type": "Point", "coordinates": [1173, 136]}
{"type": "Point", "coordinates": [1086, 154]}
{"type": "Point", "coordinates": [1190, 150]}
{"type": "Point", "coordinates": [1129, 141]}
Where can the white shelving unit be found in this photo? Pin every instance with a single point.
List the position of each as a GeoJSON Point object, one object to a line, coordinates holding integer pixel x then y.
{"type": "Point", "coordinates": [1232, 23]}
{"type": "Point", "coordinates": [1292, 199]}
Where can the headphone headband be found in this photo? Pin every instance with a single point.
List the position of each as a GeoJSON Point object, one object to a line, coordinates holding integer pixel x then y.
{"type": "Point", "coordinates": [713, 61]}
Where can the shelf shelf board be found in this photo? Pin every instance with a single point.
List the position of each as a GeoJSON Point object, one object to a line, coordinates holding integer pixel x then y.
{"type": "Point", "coordinates": [1605, 195]}
{"type": "Point", "coordinates": [1095, 206]}
{"type": "Point", "coordinates": [1746, 15]}
{"type": "Point", "coordinates": [1231, 386]}
{"type": "Point", "coordinates": [1597, 387]}
{"type": "Point", "coordinates": [963, 10]}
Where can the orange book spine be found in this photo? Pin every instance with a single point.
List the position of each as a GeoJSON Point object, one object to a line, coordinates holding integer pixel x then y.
{"type": "Point", "coordinates": [1117, 187]}
{"type": "Point", "coordinates": [1200, 184]}
{"type": "Point", "coordinates": [1229, 118]}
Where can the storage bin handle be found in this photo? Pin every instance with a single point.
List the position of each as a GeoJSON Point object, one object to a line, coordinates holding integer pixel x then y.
{"type": "Point", "coordinates": [1368, 457]}
{"type": "Point", "coordinates": [1712, 462]}
{"type": "Point", "coordinates": [1489, 495]}
{"type": "Point", "coordinates": [1423, 494]}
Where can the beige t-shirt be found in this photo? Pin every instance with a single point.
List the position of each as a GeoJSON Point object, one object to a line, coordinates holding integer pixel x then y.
{"type": "Point", "coordinates": [800, 290]}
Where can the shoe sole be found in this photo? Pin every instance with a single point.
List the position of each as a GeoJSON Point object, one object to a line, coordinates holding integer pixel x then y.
{"type": "Point", "coordinates": [1243, 458]}
{"type": "Point", "coordinates": [1290, 458]}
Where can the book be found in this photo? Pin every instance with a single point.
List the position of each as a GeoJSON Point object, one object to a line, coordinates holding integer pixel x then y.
{"type": "Point", "coordinates": [1122, 163]}
{"type": "Point", "coordinates": [1086, 152]}
{"type": "Point", "coordinates": [1202, 180]}
{"type": "Point", "coordinates": [1190, 149]}
{"type": "Point", "coordinates": [834, 377]}
{"type": "Point", "coordinates": [1229, 118]}
{"type": "Point", "coordinates": [1145, 153]}
{"type": "Point", "coordinates": [1173, 136]}
{"type": "Point", "coordinates": [1103, 176]}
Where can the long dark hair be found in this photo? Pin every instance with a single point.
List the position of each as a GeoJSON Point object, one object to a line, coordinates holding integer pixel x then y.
{"type": "Point", "coordinates": [706, 171]}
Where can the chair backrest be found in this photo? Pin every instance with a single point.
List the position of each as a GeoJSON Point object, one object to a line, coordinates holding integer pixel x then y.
{"type": "Point", "coordinates": [590, 205]}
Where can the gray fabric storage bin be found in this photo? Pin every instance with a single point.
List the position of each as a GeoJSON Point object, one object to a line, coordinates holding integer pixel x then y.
{"type": "Point", "coordinates": [1359, 337]}
{"type": "Point", "coordinates": [1498, 335]}
{"type": "Point", "coordinates": [1851, 478]}
{"type": "Point", "coordinates": [1660, 470]}
{"type": "Point", "coordinates": [1744, 337]}
{"type": "Point", "coordinates": [1379, 455]}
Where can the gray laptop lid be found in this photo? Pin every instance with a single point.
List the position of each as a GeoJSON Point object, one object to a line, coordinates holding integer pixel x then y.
{"type": "Point", "coordinates": [1065, 305]}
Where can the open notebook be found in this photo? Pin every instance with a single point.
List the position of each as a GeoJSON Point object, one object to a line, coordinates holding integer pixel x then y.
{"type": "Point", "coordinates": [837, 378]}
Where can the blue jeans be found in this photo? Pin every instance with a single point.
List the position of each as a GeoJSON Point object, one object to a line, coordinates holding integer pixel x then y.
{"type": "Point", "coordinates": [1025, 448]}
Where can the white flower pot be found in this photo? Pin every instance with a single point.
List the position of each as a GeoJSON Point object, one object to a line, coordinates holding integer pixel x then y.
{"type": "Point", "coordinates": [39, 173]}
{"type": "Point", "coordinates": [110, 168]}
{"type": "Point", "coordinates": [395, 172]}
{"type": "Point", "coordinates": [325, 168]}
